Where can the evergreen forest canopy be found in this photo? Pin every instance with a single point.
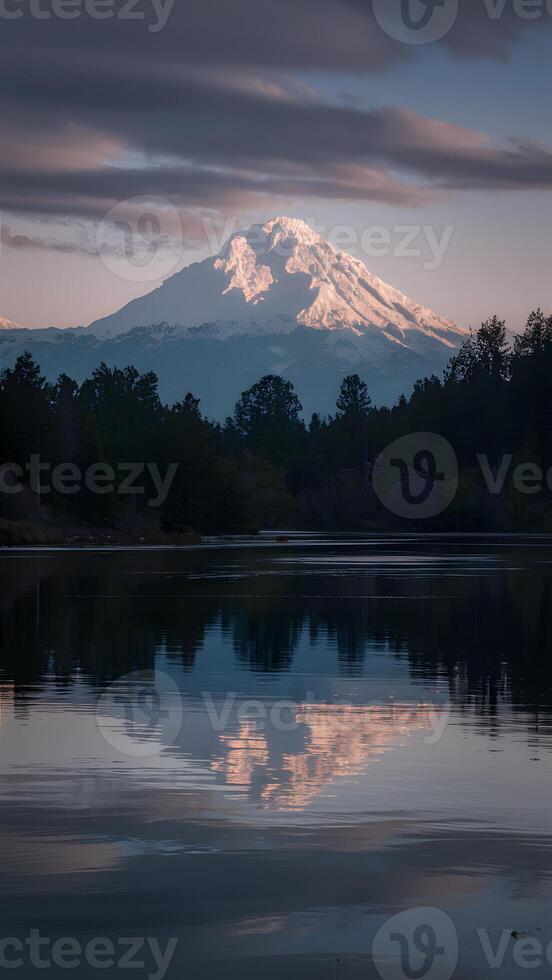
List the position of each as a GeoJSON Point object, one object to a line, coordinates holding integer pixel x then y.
{"type": "Point", "coordinates": [267, 467]}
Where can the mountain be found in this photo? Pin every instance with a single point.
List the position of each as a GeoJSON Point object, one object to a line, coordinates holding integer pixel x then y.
{"type": "Point", "coordinates": [274, 277]}
{"type": "Point", "coordinates": [278, 299]}
{"type": "Point", "coordinates": [6, 324]}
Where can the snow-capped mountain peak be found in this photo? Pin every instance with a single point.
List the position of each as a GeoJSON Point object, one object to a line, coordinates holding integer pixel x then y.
{"type": "Point", "coordinates": [286, 229]}
{"type": "Point", "coordinates": [249, 259]}
{"type": "Point", "coordinates": [275, 277]}
{"type": "Point", "coordinates": [342, 294]}
{"type": "Point", "coordinates": [276, 299]}
{"type": "Point", "coordinates": [6, 324]}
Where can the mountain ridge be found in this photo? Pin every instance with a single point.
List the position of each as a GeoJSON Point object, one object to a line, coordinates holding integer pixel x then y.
{"type": "Point", "coordinates": [273, 277]}
{"type": "Point", "coordinates": [276, 299]}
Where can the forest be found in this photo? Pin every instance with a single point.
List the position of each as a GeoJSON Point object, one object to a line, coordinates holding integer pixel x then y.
{"type": "Point", "coordinates": [266, 466]}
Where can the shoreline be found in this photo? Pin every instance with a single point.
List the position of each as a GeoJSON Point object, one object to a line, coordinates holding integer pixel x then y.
{"type": "Point", "coordinates": [264, 539]}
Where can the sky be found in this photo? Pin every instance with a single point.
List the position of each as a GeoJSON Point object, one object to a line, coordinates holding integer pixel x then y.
{"type": "Point", "coordinates": [138, 134]}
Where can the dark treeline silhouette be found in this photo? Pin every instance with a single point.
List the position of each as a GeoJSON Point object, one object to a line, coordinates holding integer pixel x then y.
{"type": "Point", "coordinates": [266, 466]}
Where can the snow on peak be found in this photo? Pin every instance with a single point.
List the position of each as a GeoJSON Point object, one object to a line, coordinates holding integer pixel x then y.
{"type": "Point", "coordinates": [273, 277]}
{"type": "Point", "coordinates": [6, 324]}
{"type": "Point", "coordinates": [284, 229]}
{"type": "Point", "coordinates": [243, 271]}
{"type": "Point", "coordinates": [268, 262]}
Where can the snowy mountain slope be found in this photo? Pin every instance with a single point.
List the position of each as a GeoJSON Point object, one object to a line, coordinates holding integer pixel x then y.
{"type": "Point", "coordinates": [278, 299]}
{"type": "Point", "coordinates": [275, 277]}
{"type": "Point", "coordinates": [217, 371]}
{"type": "Point", "coordinates": [6, 324]}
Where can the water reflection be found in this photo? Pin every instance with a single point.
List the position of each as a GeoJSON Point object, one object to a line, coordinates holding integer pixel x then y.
{"type": "Point", "coordinates": [339, 742]}
{"type": "Point", "coordinates": [6, 700]}
{"type": "Point", "coordinates": [481, 620]}
{"type": "Point", "coordinates": [411, 765]}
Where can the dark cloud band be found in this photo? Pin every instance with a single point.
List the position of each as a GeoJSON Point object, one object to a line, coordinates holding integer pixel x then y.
{"type": "Point", "coordinates": [206, 112]}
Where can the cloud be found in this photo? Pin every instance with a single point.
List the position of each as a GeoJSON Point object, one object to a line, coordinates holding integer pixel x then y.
{"type": "Point", "coordinates": [330, 35]}
{"type": "Point", "coordinates": [217, 146]}
{"type": "Point", "coordinates": [209, 115]}
{"type": "Point", "coordinates": [24, 241]}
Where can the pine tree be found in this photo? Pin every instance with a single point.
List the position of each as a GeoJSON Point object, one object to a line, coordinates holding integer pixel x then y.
{"type": "Point", "coordinates": [353, 400]}
{"type": "Point", "coordinates": [267, 418]}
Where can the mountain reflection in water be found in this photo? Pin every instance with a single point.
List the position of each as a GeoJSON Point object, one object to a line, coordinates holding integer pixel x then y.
{"type": "Point", "coordinates": [329, 733]}
{"type": "Point", "coordinates": [340, 741]}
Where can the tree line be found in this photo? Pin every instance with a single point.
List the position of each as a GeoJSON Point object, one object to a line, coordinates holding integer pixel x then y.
{"type": "Point", "coordinates": [268, 467]}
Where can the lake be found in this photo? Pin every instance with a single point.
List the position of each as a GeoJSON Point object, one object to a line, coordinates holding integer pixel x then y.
{"type": "Point", "coordinates": [312, 758]}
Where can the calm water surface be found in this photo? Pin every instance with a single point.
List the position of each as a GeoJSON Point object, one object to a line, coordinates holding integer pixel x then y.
{"type": "Point", "coordinates": [265, 753]}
